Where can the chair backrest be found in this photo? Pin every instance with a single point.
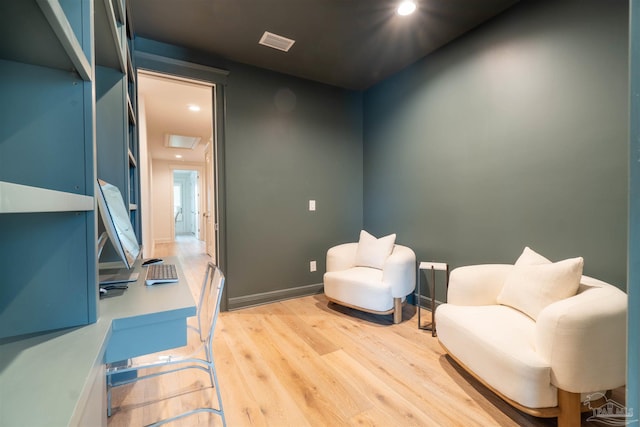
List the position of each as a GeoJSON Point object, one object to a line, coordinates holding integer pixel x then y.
{"type": "Point", "coordinates": [210, 298]}
{"type": "Point", "coordinates": [204, 290]}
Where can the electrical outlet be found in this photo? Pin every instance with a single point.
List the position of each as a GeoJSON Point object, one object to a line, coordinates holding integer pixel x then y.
{"type": "Point", "coordinates": [312, 266]}
{"type": "Point", "coordinates": [312, 205]}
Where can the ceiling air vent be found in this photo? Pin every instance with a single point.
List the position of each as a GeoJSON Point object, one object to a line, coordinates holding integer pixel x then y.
{"type": "Point", "coordinates": [277, 42]}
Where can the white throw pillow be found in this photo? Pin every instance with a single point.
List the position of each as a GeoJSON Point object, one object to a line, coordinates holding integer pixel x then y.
{"type": "Point", "coordinates": [530, 288]}
{"type": "Point", "coordinates": [374, 252]}
{"type": "Point", "coordinates": [531, 257]}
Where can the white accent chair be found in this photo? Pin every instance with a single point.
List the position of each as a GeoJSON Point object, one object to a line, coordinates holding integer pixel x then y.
{"type": "Point", "coordinates": [541, 353]}
{"type": "Point", "coordinates": [374, 290]}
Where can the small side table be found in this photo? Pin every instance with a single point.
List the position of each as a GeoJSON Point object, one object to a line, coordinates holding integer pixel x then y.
{"type": "Point", "coordinates": [433, 266]}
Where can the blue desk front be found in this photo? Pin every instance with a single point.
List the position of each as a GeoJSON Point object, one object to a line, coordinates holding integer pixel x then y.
{"type": "Point", "coordinates": [147, 319]}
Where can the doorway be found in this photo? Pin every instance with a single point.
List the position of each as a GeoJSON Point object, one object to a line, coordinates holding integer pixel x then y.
{"type": "Point", "coordinates": [177, 134]}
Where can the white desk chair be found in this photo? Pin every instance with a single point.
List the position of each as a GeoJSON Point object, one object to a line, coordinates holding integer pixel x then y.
{"type": "Point", "coordinates": [204, 291]}
{"type": "Point", "coordinates": [207, 313]}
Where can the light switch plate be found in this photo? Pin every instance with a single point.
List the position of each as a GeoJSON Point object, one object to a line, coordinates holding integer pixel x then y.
{"type": "Point", "coordinates": [312, 205]}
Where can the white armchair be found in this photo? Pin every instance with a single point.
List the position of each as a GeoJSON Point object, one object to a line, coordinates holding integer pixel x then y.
{"type": "Point", "coordinates": [353, 283]}
{"type": "Point", "coordinates": [541, 348]}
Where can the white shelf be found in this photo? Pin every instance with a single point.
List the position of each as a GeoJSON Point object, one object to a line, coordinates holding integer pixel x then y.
{"type": "Point", "coordinates": [130, 71]}
{"type": "Point", "coordinates": [60, 25]}
{"type": "Point", "coordinates": [131, 113]}
{"type": "Point", "coordinates": [18, 198]}
{"type": "Point", "coordinates": [108, 41]}
{"type": "Point", "coordinates": [132, 160]}
{"type": "Point", "coordinates": [120, 11]}
{"type": "Point", "coordinates": [39, 33]}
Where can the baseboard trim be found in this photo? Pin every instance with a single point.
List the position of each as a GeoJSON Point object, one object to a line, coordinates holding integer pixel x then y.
{"type": "Point", "coordinates": [425, 302]}
{"type": "Point", "coordinates": [273, 296]}
{"type": "Point", "coordinates": [163, 240]}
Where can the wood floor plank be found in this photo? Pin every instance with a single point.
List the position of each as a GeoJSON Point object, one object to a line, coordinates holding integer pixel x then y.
{"type": "Point", "coordinates": [295, 322]}
{"type": "Point", "coordinates": [416, 383]}
{"type": "Point", "coordinates": [383, 398]}
{"type": "Point", "coordinates": [343, 399]}
{"type": "Point", "coordinates": [237, 400]}
{"type": "Point", "coordinates": [271, 397]}
{"type": "Point", "coordinates": [304, 373]}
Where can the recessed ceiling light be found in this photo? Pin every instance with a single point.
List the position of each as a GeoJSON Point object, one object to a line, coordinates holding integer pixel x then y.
{"type": "Point", "coordinates": [193, 107]}
{"type": "Point", "coordinates": [178, 156]}
{"type": "Point", "coordinates": [407, 7]}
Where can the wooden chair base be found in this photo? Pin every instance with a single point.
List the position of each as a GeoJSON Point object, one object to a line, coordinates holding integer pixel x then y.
{"type": "Point", "coordinates": [569, 407]}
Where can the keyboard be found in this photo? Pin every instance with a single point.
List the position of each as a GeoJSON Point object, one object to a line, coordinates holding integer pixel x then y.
{"type": "Point", "coordinates": [161, 273]}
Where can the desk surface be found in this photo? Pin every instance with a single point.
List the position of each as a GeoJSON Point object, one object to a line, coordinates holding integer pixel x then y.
{"type": "Point", "coordinates": [45, 378]}
{"type": "Point", "coordinates": [142, 303]}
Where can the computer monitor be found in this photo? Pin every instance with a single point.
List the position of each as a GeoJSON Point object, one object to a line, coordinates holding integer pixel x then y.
{"type": "Point", "coordinates": [115, 217]}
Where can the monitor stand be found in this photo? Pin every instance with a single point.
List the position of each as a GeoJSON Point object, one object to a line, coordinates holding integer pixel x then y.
{"type": "Point", "coordinates": [114, 276]}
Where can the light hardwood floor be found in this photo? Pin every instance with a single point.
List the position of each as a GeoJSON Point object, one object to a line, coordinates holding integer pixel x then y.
{"type": "Point", "coordinates": [306, 362]}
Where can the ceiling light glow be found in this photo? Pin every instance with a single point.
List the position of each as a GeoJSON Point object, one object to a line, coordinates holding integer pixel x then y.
{"type": "Point", "coordinates": [407, 7]}
{"type": "Point", "coordinates": [178, 156]}
{"type": "Point", "coordinates": [181, 141]}
{"type": "Point", "coordinates": [193, 107]}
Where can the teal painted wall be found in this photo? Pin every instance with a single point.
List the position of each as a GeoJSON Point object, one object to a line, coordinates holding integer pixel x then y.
{"type": "Point", "coordinates": [287, 141]}
{"type": "Point", "coordinates": [513, 135]}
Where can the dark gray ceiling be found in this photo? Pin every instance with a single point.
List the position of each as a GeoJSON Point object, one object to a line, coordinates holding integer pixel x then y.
{"type": "Point", "coordinates": [347, 43]}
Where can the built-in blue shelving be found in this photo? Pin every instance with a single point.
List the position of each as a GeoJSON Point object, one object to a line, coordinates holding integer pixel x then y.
{"type": "Point", "coordinates": [54, 58]}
